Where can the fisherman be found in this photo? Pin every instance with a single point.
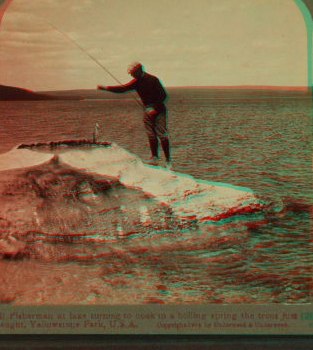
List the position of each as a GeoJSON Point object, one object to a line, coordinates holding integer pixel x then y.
{"type": "Point", "coordinates": [154, 98]}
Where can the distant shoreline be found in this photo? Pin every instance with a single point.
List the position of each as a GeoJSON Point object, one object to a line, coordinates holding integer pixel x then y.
{"type": "Point", "coordinates": [182, 92]}
{"type": "Point", "coordinates": [9, 93]}
{"type": "Point", "coordinates": [239, 87]}
{"type": "Point", "coordinates": [245, 87]}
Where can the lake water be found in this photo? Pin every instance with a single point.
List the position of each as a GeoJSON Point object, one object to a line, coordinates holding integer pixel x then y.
{"type": "Point", "coordinates": [260, 142]}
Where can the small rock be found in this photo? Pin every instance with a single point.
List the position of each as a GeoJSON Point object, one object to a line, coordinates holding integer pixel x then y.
{"type": "Point", "coordinates": [11, 246]}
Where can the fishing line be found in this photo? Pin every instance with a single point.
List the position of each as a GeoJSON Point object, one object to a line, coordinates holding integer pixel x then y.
{"type": "Point", "coordinates": [87, 53]}
{"type": "Point", "coordinates": [73, 41]}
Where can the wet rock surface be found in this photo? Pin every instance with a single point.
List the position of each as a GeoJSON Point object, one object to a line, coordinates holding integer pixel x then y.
{"type": "Point", "coordinates": [100, 193]}
{"type": "Point", "coordinates": [100, 190]}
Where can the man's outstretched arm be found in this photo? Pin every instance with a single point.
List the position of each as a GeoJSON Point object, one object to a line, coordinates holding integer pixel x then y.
{"type": "Point", "coordinates": [131, 86]}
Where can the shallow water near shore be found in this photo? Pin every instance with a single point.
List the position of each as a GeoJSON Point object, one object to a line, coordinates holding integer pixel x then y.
{"type": "Point", "coordinates": [262, 143]}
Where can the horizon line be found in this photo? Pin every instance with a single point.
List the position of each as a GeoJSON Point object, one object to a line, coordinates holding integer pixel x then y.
{"type": "Point", "coordinates": [248, 87]}
{"type": "Point", "coordinates": [219, 87]}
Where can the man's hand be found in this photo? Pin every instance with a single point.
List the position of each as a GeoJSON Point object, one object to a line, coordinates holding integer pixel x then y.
{"type": "Point", "coordinates": [150, 111]}
{"type": "Point", "coordinates": [101, 87]}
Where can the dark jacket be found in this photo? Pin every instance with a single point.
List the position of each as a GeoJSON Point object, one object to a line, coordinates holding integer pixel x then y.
{"type": "Point", "coordinates": [148, 87]}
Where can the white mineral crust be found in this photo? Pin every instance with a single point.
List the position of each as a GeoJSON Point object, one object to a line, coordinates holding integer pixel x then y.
{"type": "Point", "coordinates": [185, 195]}
{"type": "Point", "coordinates": [189, 198]}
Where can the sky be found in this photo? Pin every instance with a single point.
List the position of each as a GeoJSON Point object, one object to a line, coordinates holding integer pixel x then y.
{"type": "Point", "coordinates": [183, 42]}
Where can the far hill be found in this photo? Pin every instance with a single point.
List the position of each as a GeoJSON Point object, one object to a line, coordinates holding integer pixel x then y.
{"type": "Point", "coordinates": [11, 93]}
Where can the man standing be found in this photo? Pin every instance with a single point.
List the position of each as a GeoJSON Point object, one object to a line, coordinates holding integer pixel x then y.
{"type": "Point", "coordinates": [154, 98]}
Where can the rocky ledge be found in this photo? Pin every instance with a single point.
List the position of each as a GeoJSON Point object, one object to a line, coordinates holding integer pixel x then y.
{"type": "Point", "coordinates": [69, 189]}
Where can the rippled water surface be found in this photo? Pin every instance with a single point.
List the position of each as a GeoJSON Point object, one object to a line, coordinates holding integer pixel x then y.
{"type": "Point", "coordinates": [260, 142]}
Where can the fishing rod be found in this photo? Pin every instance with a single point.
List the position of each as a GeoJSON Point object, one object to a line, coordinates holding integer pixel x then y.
{"type": "Point", "coordinates": [86, 52]}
